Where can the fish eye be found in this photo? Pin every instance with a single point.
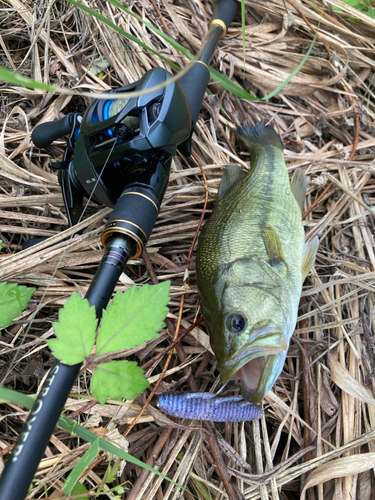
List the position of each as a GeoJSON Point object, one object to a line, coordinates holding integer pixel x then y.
{"type": "Point", "coordinates": [235, 322]}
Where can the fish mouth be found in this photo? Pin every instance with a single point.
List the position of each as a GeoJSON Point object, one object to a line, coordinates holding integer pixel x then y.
{"type": "Point", "coordinates": [253, 365]}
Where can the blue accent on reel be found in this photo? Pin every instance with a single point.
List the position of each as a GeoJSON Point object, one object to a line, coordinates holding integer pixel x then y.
{"type": "Point", "coordinates": [76, 133]}
{"type": "Point", "coordinates": [106, 108]}
{"type": "Point", "coordinates": [95, 117]}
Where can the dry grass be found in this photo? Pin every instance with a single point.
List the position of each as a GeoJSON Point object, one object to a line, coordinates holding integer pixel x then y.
{"type": "Point", "coordinates": [317, 437]}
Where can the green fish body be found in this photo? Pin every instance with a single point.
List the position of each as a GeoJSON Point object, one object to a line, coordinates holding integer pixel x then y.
{"type": "Point", "coordinates": [251, 263]}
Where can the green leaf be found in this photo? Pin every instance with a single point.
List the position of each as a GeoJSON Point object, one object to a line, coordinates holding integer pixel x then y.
{"type": "Point", "coordinates": [111, 472]}
{"type": "Point", "coordinates": [79, 489]}
{"type": "Point", "coordinates": [13, 300]}
{"type": "Point", "coordinates": [133, 317]}
{"type": "Point", "coordinates": [75, 331]}
{"type": "Point", "coordinates": [117, 380]}
{"type": "Point", "coordinates": [119, 489]}
{"type": "Point", "coordinates": [83, 463]}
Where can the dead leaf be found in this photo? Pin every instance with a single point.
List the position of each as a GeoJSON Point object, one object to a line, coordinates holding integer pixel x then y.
{"type": "Point", "coordinates": [343, 379]}
{"type": "Point", "coordinates": [99, 431]}
{"type": "Point", "coordinates": [341, 467]}
{"type": "Point", "coordinates": [327, 399]}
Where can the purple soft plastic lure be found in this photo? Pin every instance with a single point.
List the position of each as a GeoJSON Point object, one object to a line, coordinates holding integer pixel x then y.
{"type": "Point", "coordinates": [207, 406]}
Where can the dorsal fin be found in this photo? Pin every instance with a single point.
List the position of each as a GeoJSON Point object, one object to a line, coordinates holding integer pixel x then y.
{"type": "Point", "coordinates": [232, 174]}
{"type": "Point", "coordinates": [273, 245]}
{"type": "Point", "coordinates": [309, 254]}
{"type": "Point", "coordinates": [298, 185]}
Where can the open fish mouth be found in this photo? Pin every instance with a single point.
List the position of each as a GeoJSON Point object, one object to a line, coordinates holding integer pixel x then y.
{"type": "Point", "coordinates": [256, 365]}
{"type": "Point", "coordinates": [257, 377]}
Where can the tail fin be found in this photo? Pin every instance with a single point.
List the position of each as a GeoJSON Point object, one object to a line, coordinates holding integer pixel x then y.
{"type": "Point", "coordinates": [259, 134]}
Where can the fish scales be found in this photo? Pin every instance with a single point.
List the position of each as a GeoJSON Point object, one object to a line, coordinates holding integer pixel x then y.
{"type": "Point", "coordinates": [251, 262]}
{"type": "Point", "coordinates": [265, 194]}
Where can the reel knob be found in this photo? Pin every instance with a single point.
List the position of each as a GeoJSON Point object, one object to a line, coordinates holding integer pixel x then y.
{"type": "Point", "coordinates": [44, 134]}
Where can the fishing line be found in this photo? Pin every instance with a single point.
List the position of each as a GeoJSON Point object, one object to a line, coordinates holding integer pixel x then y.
{"type": "Point", "coordinates": [222, 387]}
{"type": "Point", "coordinates": [99, 95]}
{"type": "Point", "coordinates": [41, 304]}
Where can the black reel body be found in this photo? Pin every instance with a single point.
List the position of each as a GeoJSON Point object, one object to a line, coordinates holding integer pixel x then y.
{"type": "Point", "coordinates": [130, 136]}
{"type": "Point", "coordinates": [119, 154]}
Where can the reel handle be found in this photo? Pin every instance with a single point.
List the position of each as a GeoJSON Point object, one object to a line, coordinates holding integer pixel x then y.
{"type": "Point", "coordinates": [44, 134]}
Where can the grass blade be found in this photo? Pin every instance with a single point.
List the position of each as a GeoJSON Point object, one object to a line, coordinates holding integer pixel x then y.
{"type": "Point", "coordinates": [287, 80]}
{"type": "Point", "coordinates": [80, 467]}
{"type": "Point", "coordinates": [166, 37]}
{"type": "Point", "coordinates": [24, 81]}
{"type": "Point", "coordinates": [71, 426]}
{"type": "Point", "coordinates": [112, 25]}
{"type": "Point", "coordinates": [215, 75]}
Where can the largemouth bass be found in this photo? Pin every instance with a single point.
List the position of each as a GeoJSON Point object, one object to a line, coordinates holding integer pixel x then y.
{"type": "Point", "coordinates": [251, 262]}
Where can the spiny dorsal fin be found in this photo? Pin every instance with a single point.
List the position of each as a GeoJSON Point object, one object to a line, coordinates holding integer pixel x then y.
{"type": "Point", "coordinates": [309, 254]}
{"type": "Point", "coordinates": [232, 174]}
{"type": "Point", "coordinates": [298, 185]}
{"type": "Point", "coordinates": [273, 245]}
{"type": "Point", "coordinates": [259, 134]}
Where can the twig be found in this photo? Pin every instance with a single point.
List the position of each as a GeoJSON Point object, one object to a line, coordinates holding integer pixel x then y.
{"type": "Point", "coordinates": [175, 342]}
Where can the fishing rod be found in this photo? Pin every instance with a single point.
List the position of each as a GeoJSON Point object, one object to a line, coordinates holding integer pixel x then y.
{"type": "Point", "coordinates": [118, 154]}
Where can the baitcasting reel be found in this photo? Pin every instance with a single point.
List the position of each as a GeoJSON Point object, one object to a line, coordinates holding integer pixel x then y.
{"type": "Point", "coordinates": [122, 149]}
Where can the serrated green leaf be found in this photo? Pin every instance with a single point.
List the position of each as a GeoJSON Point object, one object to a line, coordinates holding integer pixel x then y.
{"type": "Point", "coordinates": [118, 380]}
{"type": "Point", "coordinates": [111, 472]}
{"type": "Point", "coordinates": [75, 331]}
{"type": "Point", "coordinates": [79, 489]}
{"type": "Point", "coordinates": [79, 468]}
{"type": "Point", "coordinates": [119, 489]}
{"type": "Point", "coordinates": [13, 300]}
{"type": "Point", "coordinates": [133, 317]}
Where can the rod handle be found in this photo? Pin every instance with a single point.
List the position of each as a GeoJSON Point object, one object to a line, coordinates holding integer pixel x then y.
{"type": "Point", "coordinates": [45, 133]}
{"type": "Point", "coordinates": [194, 84]}
{"type": "Point", "coordinates": [225, 11]}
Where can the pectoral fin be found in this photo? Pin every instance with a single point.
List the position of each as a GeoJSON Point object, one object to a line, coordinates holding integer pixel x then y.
{"type": "Point", "coordinates": [273, 245]}
{"type": "Point", "coordinates": [232, 174]}
{"type": "Point", "coordinates": [298, 185]}
{"type": "Point", "coordinates": [309, 254]}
